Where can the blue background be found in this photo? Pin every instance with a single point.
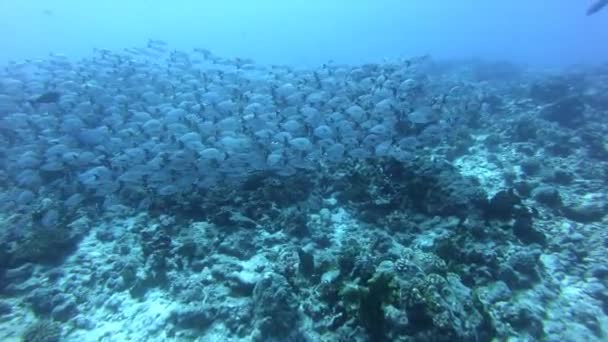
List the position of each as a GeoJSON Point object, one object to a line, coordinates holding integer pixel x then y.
{"type": "Point", "coordinates": [310, 32]}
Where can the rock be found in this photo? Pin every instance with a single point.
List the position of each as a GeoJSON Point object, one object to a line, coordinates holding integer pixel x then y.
{"type": "Point", "coordinates": [307, 263]}
{"type": "Point", "coordinates": [575, 237]}
{"type": "Point", "coordinates": [523, 189]}
{"type": "Point", "coordinates": [584, 212]}
{"type": "Point", "coordinates": [243, 282]}
{"type": "Point", "coordinates": [599, 271]}
{"type": "Point", "coordinates": [43, 300]}
{"type": "Point", "coordinates": [495, 292]}
{"type": "Point", "coordinates": [561, 177]}
{"type": "Point", "coordinates": [567, 112]}
{"type": "Point", "coordinates": [502, 205]}
{"type": "Point", "coordinates": [520, 269]}
{"type": "Point", "coordinates": [524, 320]}
{"type": "Point", "coordinates": [530, 166]}
{"type": "Point", "coordinates": [42, 331]}
{"type": "Point", "coordinates": [65, 310]}
{"type": "Point", "coordinates": [193, 316]}
{"type": "Point", "coordinates": [276, 307]}
{"type": "Point", "coordinates": [5, 308]}
{"type": "Point", "coordinates": [525, 130]}
{"type": "Point", "coordinates": [443, 307]}
{"type": "Point", "coordinates": [84, 323]}
{"type": "Point", "coordinates": [550, 90]}
{"type": "Point", "coordinates": [525, 262]}
{"type": "Point", "coordinates": [330, 276]}
{"type": "Point", "coordinates": [524, 230]}
{"type": "Point", "coordinates": [596, 144]}
{"type": "Point", "coordinates": [548, 196]}
{"type": "Point", "coordinates": [20, 274]}
{"type": "Point", "coordinates": [395, 319]}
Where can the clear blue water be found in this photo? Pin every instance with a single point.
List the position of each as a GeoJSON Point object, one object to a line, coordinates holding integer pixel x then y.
{"type": "Point", "coordinates": [305, 32]}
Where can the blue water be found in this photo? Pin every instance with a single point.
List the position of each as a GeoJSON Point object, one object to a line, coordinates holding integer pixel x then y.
{"type": "Point", "coordinates": [310, 32]}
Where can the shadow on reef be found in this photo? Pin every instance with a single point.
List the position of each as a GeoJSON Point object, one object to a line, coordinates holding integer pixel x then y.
{"type": "Point", "coordinates": [259, 199]}
{"type": "Point", "coordinates": [429, 293]}
{"type": "Point", "coordinates": [36, 239]}
{"type": "Point", "coordinates": [383, 280]}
